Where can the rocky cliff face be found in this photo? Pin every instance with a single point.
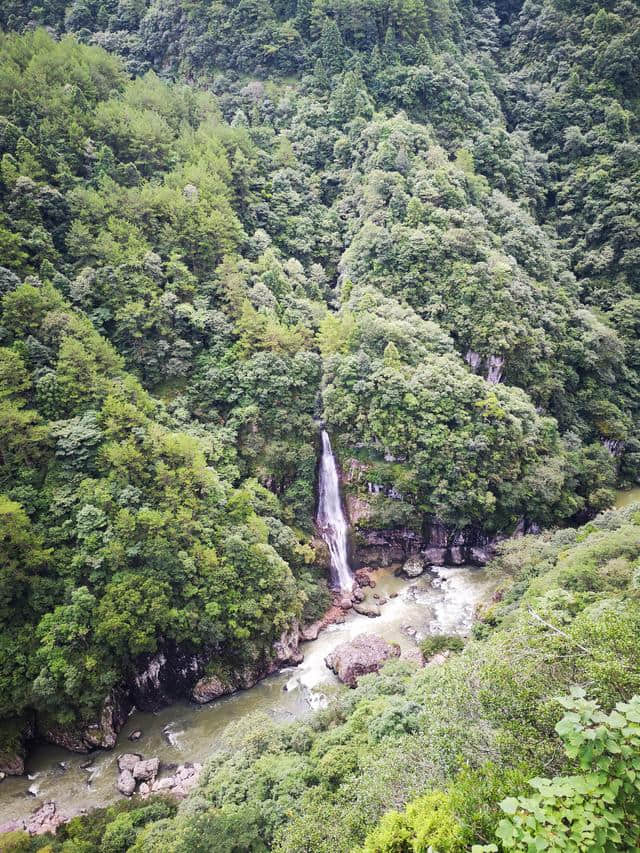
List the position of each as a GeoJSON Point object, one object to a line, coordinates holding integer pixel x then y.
{"type": "Point", "coordinates": [166, 675]}
{"type": "Point", "coordinates": [440, 546]}
{"type": "Point", "coordinates": [171, 673]}
{"type": "Point", "coordinates": [438, 543]}
{"type": "Point", "coordinates": [100, 733]}
{"type": "Point", "coordinates": [284, 652]}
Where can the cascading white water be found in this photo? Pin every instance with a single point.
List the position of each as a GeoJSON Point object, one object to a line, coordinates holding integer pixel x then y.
{"type": "Point", "coordinates": [331, 519]}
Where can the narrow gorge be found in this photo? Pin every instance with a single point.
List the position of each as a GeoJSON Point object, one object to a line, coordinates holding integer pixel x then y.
{"type": "Point", "coordinates": [319, 424]}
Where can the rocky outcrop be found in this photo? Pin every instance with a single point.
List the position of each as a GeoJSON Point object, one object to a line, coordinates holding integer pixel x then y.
{"type": "Point", "coordinates": [126, 783]}
{"type": "Point", "coordinates": [212, 687]}
{"type": "Point", "coordinates": [134, 769]}
{"type": "Point", "coordinates": [284, 652]}
{"type": "Point", "coordinates": [495, 369]}
{"type": "Point", "coordinates": [334, 615]}
{"type": "Point", "coordinates": [440, 545]}
{"type": "Point", "coordinates": [96, 734]}
{"type": "Point", "coordinates": [382, 548]}
{"type": "Point", "coordinates": [165, 676]}
{"type": "Point", "coordinates": [15, 734]}
{"type": "Point", "coordinates": [446, 546]}
{"type": "Point", "coordinates": [157, 680]}
{"type": "Point", "coordinates": [364, 654]}
{"type": "Point", "coordinates": [12, 765]}
{"type": "Point", "coordinates": [179, 785]}
{"type": "Point", "coordinates": [414, 566]}
{"type": "Point", "coordinates": [473, 359]}
{"type": "Point", "coordinates": [614, 446]}
{"type": "Point", "coordinates": [363, 577]}
{"type": "Point", "coordinates": [493, 365]}
{"type": "Point", "coordinates": [146, 770]}
{"type": "Point", "coordinates": [46, 819]}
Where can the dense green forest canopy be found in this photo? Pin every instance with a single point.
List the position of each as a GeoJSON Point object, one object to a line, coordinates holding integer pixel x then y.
{"type": "Point", "coordinates": [417, 221]}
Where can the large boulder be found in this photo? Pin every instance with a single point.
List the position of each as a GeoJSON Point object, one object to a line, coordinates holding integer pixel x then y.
{"type": "Point", "coordinates": [365, 653]}
{"type": "Point", "coordinates": [12, 764]}
{"type": "Point", "coordinates": [211, 687]}
{"type": "Point", "coordinates": [101, 733]}
{"type": "Point", "coordinates": [363, 577]}
{"type": "Point", "coordinates": [285, 651]}
{"type": "Point", "coordinates": [367, 608]}
{"type": "Point", "coordinates": [46, 819]}
{"type": "Point", "coordinates": [146, 771]}
{"type": "Point", "coordinates": [179, 785]}
{"type": "Point", "coordinates": [126, 783]}
{"type": "Point", "coordinates": [414, 566]}
{"type": "Point", "coordinates": [128, 760]}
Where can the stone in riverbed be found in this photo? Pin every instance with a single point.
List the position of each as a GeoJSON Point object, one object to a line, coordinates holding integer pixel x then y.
{"type": "Point", "coordinates": [367, 609]}
{"type": "Point", "coordinates": [364, 654]}
{"type": "Point", "coordinates": [12, 765]}
{"type": "Point", "coordinates": [363, 578]}
{"type": "Point", "coordinates": [414, 566]}
{"type": "Point", "coordinates": [357, 594]}
{"type": "Point", "coordinates": [180, 784]}
{"type": "Point", "coordinates": [210, 688]}
{"type": "Point", "coordinates": [135, 735]}
{"type": "Point", "coordinates": [435, 556]}
{"type": "Point", "coordinates": [126, 783]}
{"type": "Point", "coordinates": [45, 819]}
{"type": "Point", "coordinates": [310, 632]}
{"type": "Point", "coordinates": [146, 771]}
{"type": "Point", "coordinates": [128, 760]}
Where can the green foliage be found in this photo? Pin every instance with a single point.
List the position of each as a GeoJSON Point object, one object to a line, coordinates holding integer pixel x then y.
{"type": "Point", "coordinates": [428, 824]}
{"type": "Point", "coordinates": [596, 809]}
{"type": "Point", "coordinates": [435, 643]}
{"type": "Point", "coordinates": [423, 757]}
{"type": "Point", "coordinates": [416, 221]}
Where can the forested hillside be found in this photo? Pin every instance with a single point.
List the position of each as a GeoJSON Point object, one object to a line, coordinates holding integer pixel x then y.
{"type": "Point", "coordinates": [220, 223]}
{"type": "Point", "coordinates": [451, 740]}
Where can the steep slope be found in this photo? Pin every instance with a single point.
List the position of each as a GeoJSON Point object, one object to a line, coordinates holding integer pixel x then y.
{"type": "Point", "coordinates": [464, 733]}
{"type": "Point", "coordinates": [420, 234]}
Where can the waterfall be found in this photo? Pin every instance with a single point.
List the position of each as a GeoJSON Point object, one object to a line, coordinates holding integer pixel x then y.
{"type": "Point", "coordinates": [331, 519]}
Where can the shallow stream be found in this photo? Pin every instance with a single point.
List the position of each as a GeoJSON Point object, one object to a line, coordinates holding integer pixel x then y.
{"type": "Point", "coordinates": [442, 601]}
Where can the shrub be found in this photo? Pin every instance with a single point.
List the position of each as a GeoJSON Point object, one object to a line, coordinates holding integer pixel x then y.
{"type": "Point", "coordinates": [435, 643]}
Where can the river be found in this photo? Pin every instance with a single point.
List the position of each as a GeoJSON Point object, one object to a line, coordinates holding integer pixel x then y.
{"type": "Point", "coordinates": [626, 497]}
{"type": "Point", "coordinates": [443, 600]}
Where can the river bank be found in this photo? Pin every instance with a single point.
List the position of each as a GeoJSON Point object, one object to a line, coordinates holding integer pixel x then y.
{"type": "Point", "coordinates": [443, 600]}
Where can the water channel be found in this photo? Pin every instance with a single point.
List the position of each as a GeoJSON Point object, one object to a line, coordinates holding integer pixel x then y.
{"type": "Point", "coordinates": [442, 600]}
